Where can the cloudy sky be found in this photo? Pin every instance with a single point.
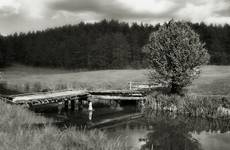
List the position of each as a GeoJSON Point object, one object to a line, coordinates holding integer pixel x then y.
{"type": "Point", "coordinates": [27, 15]}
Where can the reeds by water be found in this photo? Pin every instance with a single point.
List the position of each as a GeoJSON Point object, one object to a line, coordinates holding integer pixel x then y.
{"type": "Point", "coordinates": [199, 106]}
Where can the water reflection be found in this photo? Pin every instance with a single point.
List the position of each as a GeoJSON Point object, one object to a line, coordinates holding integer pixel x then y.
{"type": "Point", "coordinates": [154, 130]}
{"type": "Point", "coordinates": [165, 131]}
{"type": "Point", "coordinates": [170, 134]}
{"type": "Point", "coordinates": [90, 114]}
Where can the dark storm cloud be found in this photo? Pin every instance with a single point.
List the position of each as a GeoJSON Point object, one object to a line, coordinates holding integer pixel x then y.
{"type": "Point", "coordinates": [225, 12]}
{"type": "Point", "coordinates": [25, 15]}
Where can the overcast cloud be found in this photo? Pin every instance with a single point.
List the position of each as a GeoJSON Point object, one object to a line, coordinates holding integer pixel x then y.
{"type": "Point", "coordinates": [27, 15]}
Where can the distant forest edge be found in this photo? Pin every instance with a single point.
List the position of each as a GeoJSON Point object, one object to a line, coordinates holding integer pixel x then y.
{"type": "Point", "coordinates": [103, 45]}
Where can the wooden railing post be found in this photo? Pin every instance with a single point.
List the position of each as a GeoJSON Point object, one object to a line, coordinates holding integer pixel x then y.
{"type": "Point", "coordinates": [80, 105]}
{"type": "Point", "coordinates": [90, 106]}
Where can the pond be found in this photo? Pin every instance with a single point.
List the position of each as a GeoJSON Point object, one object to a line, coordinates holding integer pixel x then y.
{"type": "Point", "coordinates": [151, 130]}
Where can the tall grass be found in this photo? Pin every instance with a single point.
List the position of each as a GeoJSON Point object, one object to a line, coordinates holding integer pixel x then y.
{"type": "Point", "coordinates": [203, 106]}
{"type": "Point", "coordinates": [15, 136]}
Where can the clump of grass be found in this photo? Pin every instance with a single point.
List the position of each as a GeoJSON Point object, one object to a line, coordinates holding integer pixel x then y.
{"type": "Point", "coordinates": [52, 138]}
{"type": "Point", "coordinates": [14, 134]}
{"type": "Point", "coordinates": [14, 117]}
{"type": "Point", "coordinates": [61, 86]}
{"type": "Point", "coordinates": [27, 87]}
{"type": "Point", "coordinates": [37, 87]}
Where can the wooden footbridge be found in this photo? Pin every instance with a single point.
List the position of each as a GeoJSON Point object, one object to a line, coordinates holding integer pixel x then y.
{"type": "Point", "coordinates": [72, 97]}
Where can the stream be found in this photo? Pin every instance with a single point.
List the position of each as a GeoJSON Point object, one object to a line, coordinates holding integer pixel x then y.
{"type": "Point", "coordinates": [151, 130]}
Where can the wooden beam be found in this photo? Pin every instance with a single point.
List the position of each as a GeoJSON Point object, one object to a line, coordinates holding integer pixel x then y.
{"type": "Point", "coordinates": [106, 97]}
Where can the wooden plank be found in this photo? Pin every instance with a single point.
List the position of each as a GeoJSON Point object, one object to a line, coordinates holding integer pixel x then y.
{"type": "Point", "coordinates": [108, 97]}
{"type": "Point", "coordinates": [45, 96]}
{"type": "Point", "coordinates": [113, 92]}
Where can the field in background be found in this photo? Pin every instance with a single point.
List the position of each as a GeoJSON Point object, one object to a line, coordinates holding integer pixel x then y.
{"type": "Point", "coordinates": [213, 79]}
{"type": "Point", "coordinates": [28, 79]}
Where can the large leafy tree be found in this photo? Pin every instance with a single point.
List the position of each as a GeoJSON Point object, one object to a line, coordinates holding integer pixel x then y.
{"type": "Point", "coordinates": [175, 55]}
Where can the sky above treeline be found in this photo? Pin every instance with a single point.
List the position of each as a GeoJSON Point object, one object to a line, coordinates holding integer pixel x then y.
{"type": "Point", "coordinates": [29, 15]}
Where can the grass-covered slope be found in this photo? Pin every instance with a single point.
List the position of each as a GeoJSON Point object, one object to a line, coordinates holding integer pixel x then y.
{"type": "Point", "coordinates": [213, 79]}
{"type": "Point", "coordinates": [17, 133]}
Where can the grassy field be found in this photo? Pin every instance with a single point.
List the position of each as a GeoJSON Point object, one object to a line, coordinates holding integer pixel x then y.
{"type": "Point", "coordinates": [213, 79]}
{"type": "Point", "coordinates": [17, 133]}
{"type": "Point", "coordinates": [16, 123]}
{"type": "Point", "coordinates": [28, 79]}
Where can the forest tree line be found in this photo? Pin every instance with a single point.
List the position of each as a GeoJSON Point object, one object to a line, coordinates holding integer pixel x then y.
{"type": "Point", "coordinates": [103, 45]}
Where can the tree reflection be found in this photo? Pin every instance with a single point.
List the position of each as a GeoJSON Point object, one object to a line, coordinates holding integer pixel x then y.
{"type": "Point", "coordinates": [170, 134]}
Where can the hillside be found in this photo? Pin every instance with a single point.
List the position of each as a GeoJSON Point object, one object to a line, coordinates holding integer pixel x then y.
{"type": "Point", "coordinates": [213, 79]}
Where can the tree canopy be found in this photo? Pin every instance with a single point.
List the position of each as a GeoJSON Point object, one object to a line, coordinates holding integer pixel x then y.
{"type": "Point", "coordinates": [79, 46]}
{"type": "Point", "coordinates": [175, 55]}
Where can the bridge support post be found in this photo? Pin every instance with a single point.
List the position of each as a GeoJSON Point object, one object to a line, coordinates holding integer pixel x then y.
{"type": "Point", "coordinates": [72, 104]}
{"type": "Point", "coordinates": [142, 103]}
{"type": "Point", "coordinates": [142, 106]}
{"type": "Point", "coordinates": [118, 107]}
{"type": "Point", "coordinates": [113, 104]}
{"type": "Point", "coordinates": [66, 104]}
{"type": "Point", "coordinates": [90, 108]}
{"type": "Point", "coordinates": [80, 105]}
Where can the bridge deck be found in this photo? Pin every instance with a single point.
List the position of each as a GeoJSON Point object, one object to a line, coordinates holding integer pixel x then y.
{"type": "Point", "coordinates": [61, 96]}
{"type": "Point", "coordinates": [48, 95]}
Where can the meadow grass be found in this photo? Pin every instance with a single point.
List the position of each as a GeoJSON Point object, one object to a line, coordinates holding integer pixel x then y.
{"type": "Point", "coordinates": [34, 79]}
{"type": "Point", "coordinates": [213, 80]}
{"type": "Point", "coordinates": [15, 136]}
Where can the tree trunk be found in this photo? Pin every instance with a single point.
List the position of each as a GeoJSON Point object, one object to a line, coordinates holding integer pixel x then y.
{"type": "Point", "coordinates": [175, 89]}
